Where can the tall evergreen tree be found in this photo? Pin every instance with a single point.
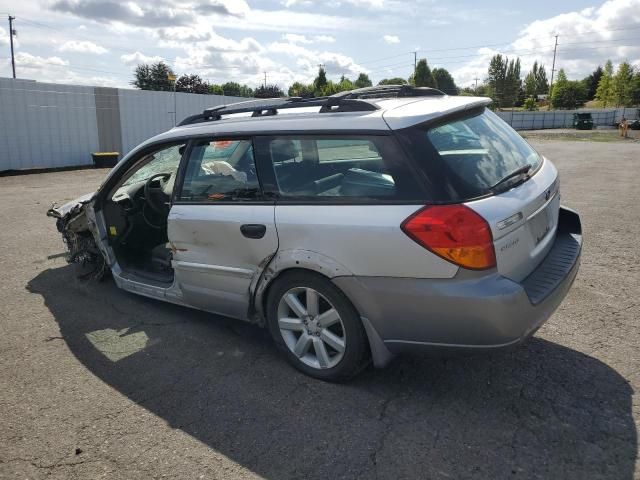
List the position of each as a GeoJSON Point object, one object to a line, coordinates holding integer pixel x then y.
{"type": "Point", "coordinates": [423, 76]}
{"type": "Point", "coordinates": [444, 81]}
{"type": "Point", "coordinates": [503, 80]}
{"type": "Point", "coordinates": [535, 83]}
{"type": "Point", "coordinates": [622, 85]}
{"type": "Point", "coordinates": [591, 82]}
{"type": "Point", "coordinates": [604, 92]}
{"type": "Point", "coordinates": [566, 93]}
{"type": "Point", "coordinates": [320, 81]}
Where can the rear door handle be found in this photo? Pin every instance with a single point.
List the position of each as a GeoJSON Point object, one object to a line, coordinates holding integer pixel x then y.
{"type": "Point", "coordinates": [252, 230]}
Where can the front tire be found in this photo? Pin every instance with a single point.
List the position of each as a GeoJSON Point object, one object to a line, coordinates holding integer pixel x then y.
{"type": "Point", "coordinates": [316, 327]}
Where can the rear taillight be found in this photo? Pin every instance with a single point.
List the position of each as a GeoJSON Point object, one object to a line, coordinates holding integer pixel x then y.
{"type": "Point", "coordinates": [455, 233]}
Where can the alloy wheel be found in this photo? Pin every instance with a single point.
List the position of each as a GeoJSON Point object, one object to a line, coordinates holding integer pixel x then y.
{"type": "Point", "coordinates": [311, 327]}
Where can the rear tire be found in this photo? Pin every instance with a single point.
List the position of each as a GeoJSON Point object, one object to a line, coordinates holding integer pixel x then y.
{"type": "Point", "coordinates": [316, 327]}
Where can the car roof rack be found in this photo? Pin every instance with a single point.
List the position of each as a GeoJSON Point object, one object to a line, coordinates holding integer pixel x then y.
{"type": "Point", "coordinates": [348, 101]}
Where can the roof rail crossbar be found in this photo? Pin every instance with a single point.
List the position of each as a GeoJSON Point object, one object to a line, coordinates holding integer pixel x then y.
{"type": "Point", "coordinates": [262, 109]}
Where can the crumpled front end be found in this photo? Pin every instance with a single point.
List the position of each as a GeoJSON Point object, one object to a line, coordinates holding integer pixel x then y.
{"type": "Point", "coordinates": [72, 222]}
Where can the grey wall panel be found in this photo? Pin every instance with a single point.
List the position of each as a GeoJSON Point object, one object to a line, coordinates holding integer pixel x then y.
{"type": "Point", "coordinates": [108, 119]}
{"type": "Point", "coordinates": [46, 125]}
{"type": "Point", "coordinates": [144, 114]}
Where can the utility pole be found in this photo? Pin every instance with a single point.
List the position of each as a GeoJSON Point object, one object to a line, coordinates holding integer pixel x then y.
{"type": "Point", "coordinates": [553, 65]}
{"type": "Point", "coordinates": [265, 79]}
{"type": "Point", "coordinates": [415, 65]}
{"type": "Point", "coordinates": [476, 89]}
{"type": "Point", "coordinates": [12, 32]}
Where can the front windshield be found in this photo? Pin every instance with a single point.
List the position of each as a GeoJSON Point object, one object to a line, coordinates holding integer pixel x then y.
{"type": "Point", "coordinates": [479, 151]}
{"type": "Point", "coordinates": [161, 161]}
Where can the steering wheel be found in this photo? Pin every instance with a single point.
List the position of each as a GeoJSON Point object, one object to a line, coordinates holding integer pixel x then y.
{"type": "Point", "coordinates": [154, 194]}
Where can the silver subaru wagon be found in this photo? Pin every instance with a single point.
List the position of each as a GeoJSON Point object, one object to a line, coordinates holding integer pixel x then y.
{"type": "Point", "coordinates": [354, 227]}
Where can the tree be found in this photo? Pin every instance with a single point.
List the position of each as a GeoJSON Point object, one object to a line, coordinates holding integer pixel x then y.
{"type": "Point", "coordinates": [503, 80]}
{"type": "Point", "coordinates": [513, 83]}
{"type": "Point", "coordinates": [268, 91]}
{"type": "Point", "coordinates": [604, 92]}
{"type": "Point", "coordinates": [635, 89]}
{"type": "Point", "coordinates": [622, 85]}
{"type": "Point", "coordinates": [192, 84]}
{"type": "Point", "coordinates": [234, 89]}
{"type": "Point", "coordinates": [567, 94]}
{"type": "Point", "coordinates": [423, 76]}
{"type": "Point", "coordinates": [591, 82]}
{"type": "Point", "coordinates": [320, 81]}
{"type": "Point", "coordinates": [153, 77]}
{"type": "Point", "coordinates": [362, 81]}
{"type": "Point", "coordinates": [530, 104]}
{"type": "Point", "coordinates": [301, 90]}
{"type": "Point", "coordinates": [345, 84]}
{"type": "Point", "coordinates": [215, 89]}
{"type": "Point", "coordinates": [535, 83]}
{"type": "Point", "coordinates": [444, 81]}
{"type": "Point", "coordinates": [392, 81]}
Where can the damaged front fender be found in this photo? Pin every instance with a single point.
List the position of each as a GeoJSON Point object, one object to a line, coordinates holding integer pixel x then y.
{"type": "Point", "coordinates": [73, 224]}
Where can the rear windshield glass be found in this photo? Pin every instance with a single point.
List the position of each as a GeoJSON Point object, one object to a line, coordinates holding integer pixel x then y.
{"type": "Point", "coordinates": [470, 155]}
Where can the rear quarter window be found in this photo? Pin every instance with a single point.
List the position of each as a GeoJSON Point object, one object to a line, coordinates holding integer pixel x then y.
{"type": "Point", "coordinates": [338, 168]}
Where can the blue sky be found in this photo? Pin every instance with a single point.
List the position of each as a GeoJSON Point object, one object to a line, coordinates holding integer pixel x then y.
{"type": "Point", "coordinates": [100, 41]}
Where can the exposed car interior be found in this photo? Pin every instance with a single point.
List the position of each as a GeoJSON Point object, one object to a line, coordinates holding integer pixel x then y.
{"type": "Point", "coordinates": [330, 167]}
{"type": "Point", "coordinates": [136, 215]}
{"type": "Point", "coordinates": [138, 208]}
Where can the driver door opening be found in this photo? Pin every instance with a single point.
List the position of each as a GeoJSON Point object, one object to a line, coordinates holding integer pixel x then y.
{"type": "Point", "coordinates": [136, 213]}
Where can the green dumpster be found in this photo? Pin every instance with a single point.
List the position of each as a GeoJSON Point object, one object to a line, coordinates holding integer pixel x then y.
{"type": "Point", "coordinates": [582, 121]}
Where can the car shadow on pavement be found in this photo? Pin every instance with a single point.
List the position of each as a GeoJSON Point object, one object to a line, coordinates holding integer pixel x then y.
{"type": "Point", "coordinates": [540, 411]}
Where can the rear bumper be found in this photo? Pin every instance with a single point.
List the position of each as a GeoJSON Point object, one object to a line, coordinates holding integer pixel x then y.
{"type": "Point", "coordinates": [473, 310]}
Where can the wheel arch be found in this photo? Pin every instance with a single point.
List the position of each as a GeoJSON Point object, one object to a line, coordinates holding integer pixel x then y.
{"type": "Point", "coordinates": [286, 262]}
{"type": "Point", "coordinates": [291, 260]}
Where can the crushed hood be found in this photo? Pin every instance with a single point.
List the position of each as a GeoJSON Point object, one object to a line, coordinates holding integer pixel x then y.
{"type": "Point", "coordinates": [71, 207]}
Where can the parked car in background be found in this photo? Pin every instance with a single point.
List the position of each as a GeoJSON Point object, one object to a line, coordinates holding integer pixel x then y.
{"type": "Point", "coordinates": [354, 227]}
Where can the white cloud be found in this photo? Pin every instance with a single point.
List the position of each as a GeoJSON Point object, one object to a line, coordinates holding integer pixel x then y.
{"type": "Point", "coordinates": [391, 39]}
{"type": "Point", "coordinates": [26, 60]}
{"type": "Point", "coordinates": [56, 70]}
{"type": "Point", "coordinates": [82, 47]}
{"type": "Point", "coordinates": [183, 34]}
{"type": "Point", "coordinates": [295, 38]}
{"type": "Point", "coordinates": [4, 37]}
{"type": "Point", "coordinates": [587, 38]}
{"type": "Point", "coordinates": [136, 58]}
{"type": "Point", "coordinates": [324, 38]}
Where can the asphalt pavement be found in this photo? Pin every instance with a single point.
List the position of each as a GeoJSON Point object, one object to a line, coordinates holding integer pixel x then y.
{"type": "Point", "coordinates": [99, 383]}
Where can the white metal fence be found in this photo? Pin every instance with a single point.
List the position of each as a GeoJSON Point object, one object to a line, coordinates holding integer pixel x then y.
{"type": "Point", "coordinates": [47, 125]}
{"type": "Point", "coordinates": [520, 120]}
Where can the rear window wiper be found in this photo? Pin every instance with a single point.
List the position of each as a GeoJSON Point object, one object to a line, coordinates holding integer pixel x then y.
{"type": "Point", "coordinates": [518, 171]}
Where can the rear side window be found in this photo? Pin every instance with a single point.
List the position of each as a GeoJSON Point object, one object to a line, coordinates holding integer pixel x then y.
{"type": "Point", "coordinates": [470, 155]}
{"type": "Point", "coordinates": [345, 168]}
{"type": "Point", "coordinates": [220, 170]}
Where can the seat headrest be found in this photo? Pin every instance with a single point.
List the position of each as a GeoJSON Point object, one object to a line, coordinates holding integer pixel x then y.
{"type": "Point", "coordinates": [282, 150]}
